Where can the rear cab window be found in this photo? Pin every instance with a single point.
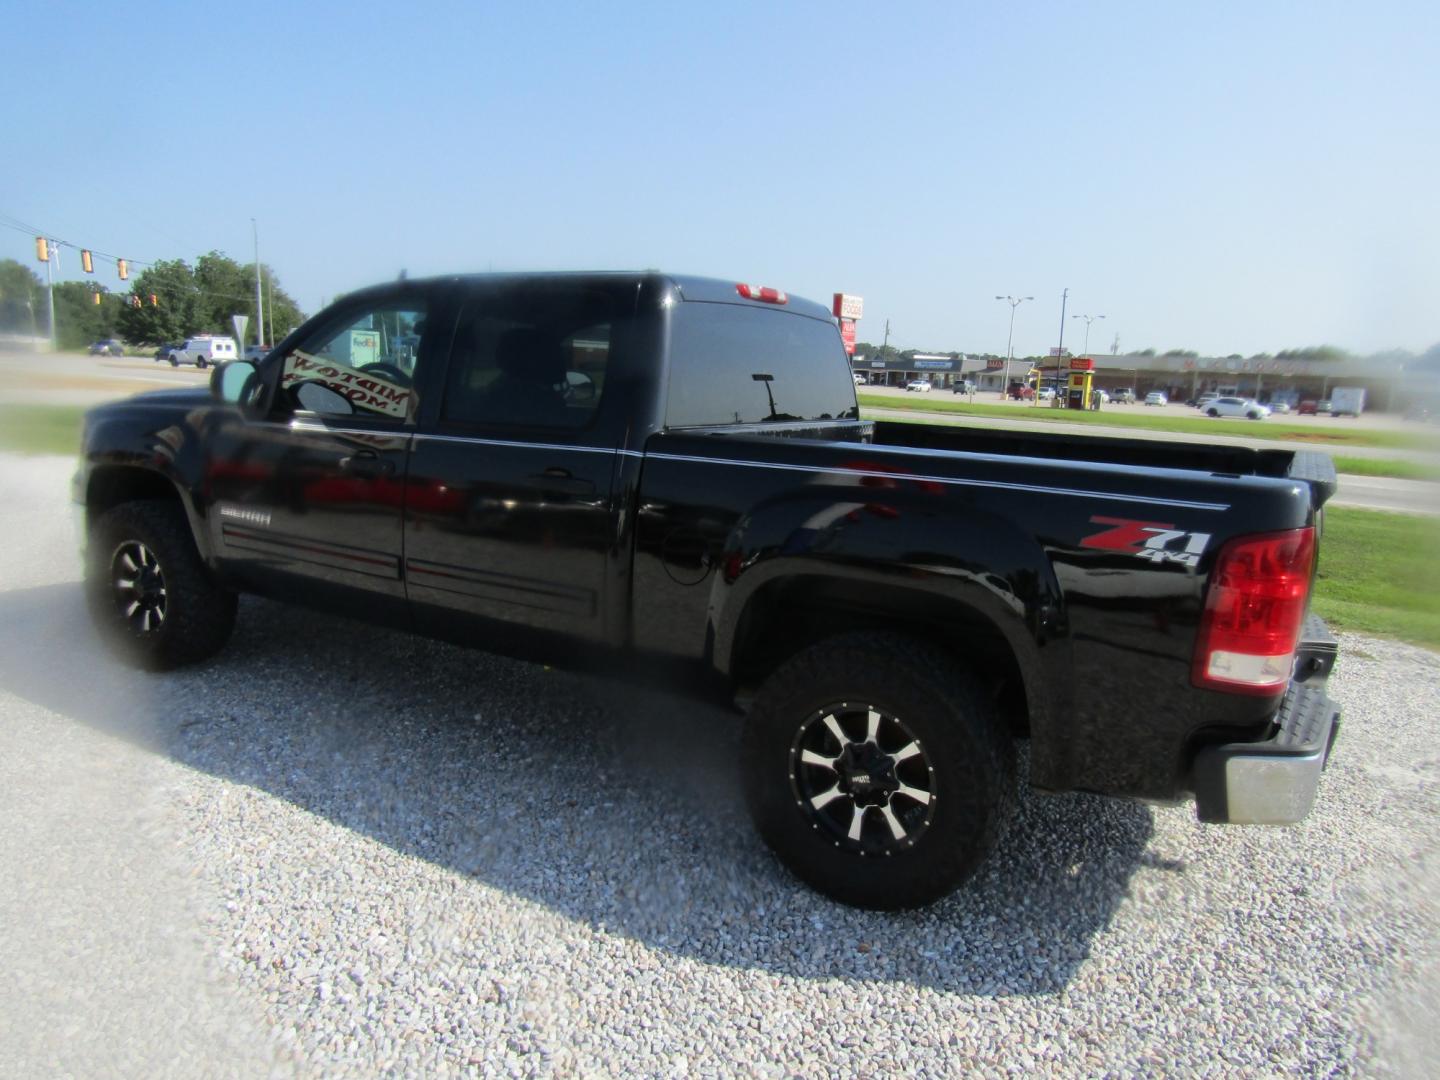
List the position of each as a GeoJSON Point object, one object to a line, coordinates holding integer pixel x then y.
{"type": "Point", "coordinates": [735, 364]}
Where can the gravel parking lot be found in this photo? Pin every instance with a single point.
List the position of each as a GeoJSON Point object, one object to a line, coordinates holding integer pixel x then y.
{"type": "Point", "coordinates": [335, 850]}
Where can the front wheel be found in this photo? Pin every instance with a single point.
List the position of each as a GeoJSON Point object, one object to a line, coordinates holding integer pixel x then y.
{"type": "Point", "coordinates": [1212, 412]}
{"type": "Point", "coordinates": [151, 596]}
{"type": "Point", "coordinates": [876, 771]}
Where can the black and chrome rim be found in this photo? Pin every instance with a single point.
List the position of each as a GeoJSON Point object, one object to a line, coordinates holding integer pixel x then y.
{"type": "Point", "coordinates": [138, 585]}
{"type": "Point", "coordinates": [862, 778]}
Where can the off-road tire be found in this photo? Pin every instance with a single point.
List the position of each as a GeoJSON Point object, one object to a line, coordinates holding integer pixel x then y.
{"type": "Point", "coordinates": [199, 615]}
{"type": "Point", "coordinates": [970, 755]}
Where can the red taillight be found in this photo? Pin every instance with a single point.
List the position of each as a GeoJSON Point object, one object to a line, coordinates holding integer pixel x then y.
{"type": "Point", "coordinates": [1254, 611]}
{"type": "Point", "coordinates": [762, 292]}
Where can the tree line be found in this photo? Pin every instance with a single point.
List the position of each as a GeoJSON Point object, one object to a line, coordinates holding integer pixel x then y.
{"type": "Point", "coordinates": [187, 301]}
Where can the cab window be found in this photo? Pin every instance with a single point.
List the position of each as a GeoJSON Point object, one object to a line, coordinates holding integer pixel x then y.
{"type": "Point", "coordinates": [362, 365]}
{"type": "Point", "coordinates": [536, 354]}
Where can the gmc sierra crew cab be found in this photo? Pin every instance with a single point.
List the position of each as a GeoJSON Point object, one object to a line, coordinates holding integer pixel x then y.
{"type": "Point", "coordinates": [668, 477]}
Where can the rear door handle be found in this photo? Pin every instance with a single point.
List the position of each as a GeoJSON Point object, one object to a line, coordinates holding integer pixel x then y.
{"type": "Point", "coordinates": [367, 463]}
{"type": "Point", "coordinates": [561, 481]}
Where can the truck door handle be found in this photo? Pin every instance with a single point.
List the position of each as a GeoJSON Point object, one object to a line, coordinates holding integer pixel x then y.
{"type": "Point", "coordinates": [561, 481]}
{"type": "Point", "coordinates": [366, 463]}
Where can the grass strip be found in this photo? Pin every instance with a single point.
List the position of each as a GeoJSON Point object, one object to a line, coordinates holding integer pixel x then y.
{"type": "Point", "coordinates": [1399, 470]}
{"type": "Point", "coordinates": [41, 429]}
{"type": "Point", "coordinates": [1342, 433]}
{"type": "Point", "coordinates": [1377, 575]}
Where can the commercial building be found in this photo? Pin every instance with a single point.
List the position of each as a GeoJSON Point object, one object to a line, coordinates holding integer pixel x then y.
{"type": "Point", "coordinates": [1387, 384]}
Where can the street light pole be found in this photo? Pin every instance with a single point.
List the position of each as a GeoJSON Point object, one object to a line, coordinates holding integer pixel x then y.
{"type": "Point", "coordinates": [1014, 302]}
{"type": "Point", "coordinates": [1088, 320]}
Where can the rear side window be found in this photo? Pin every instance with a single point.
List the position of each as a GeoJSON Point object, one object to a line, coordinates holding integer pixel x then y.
{"type": "Point", "coordinates": [536, 354]}
{"type": "Point", "coordinates": [731, 364]}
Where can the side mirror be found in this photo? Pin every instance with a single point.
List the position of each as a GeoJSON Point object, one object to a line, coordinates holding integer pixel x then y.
{"type": "Point", "coordinates": [318, 398]}
{"type": "Point", "coordinates": [578, 387]}
{"type": "Point", "coordinates": [236, 383]}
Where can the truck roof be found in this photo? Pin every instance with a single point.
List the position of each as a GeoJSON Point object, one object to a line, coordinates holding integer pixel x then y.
{"type": "Point", "coordinates": [690, 286]}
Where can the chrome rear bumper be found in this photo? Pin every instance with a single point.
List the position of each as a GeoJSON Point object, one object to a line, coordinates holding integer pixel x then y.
{"type": "Point", "coordinates": [1273, 782]}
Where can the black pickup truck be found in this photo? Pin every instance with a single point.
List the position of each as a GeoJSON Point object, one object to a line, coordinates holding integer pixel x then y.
{"type": "Point", "coordinates": [668, 477]}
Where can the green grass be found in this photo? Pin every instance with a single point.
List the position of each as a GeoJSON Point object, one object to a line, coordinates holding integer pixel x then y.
{"type": "Point", "coordinates": [1377, 575]}
{"type": "Point", "coordinates": [41, 429]}
{"type": "Point", "coordinates": [1400, 470]}
{"type": "Point", "coordinates": [1339, 434]}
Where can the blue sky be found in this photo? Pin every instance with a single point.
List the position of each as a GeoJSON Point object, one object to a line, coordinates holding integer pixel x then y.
{"type": "Point", "coordinates": [1227, 177]}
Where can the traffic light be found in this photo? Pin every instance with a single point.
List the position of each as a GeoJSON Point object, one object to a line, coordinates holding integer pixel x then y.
{"type": "Point", "coordinates": [42, 249]}
{"type": "Point", "coordinates": [97, 298]}
{"type": "Point", "coordinates": [154, 300]}
{"type": "Point", "coordinates": [86, 262]}
{"type": "Point", "coordinates": [134, 301]}
{"type": "Point", "coordinates": [123, 268]}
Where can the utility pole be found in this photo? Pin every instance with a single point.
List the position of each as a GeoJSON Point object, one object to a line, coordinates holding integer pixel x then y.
{"type": "Point", "coordinates": [259, 299]}
{"type": "Point", "coordinates": [53, 253]}
{"type": "Point", "coordinates": [1014, 302]}
{"type": "Point", "coordinates": [1060, 349]}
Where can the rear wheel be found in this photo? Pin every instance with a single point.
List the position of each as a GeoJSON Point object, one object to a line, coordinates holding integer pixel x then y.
{"type": "Point", "coordinates": [150, 594]}
{"type": "Point", "coordinates": [877, 773]}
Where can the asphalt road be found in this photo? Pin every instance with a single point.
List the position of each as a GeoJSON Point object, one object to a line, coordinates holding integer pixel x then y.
{"type": "Point", "coordinates": [337, 851]}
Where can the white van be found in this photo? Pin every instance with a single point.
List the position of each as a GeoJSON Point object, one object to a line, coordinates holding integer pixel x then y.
{"type": "Point", "coordinates": [203, 350]}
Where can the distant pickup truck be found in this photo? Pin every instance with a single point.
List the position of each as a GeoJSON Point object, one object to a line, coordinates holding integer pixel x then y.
{"type": "Point", "coordinates": [668, 478]}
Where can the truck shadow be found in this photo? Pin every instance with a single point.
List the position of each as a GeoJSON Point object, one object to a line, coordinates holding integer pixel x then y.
{"type": "Point", "coordinates": [618, 808]}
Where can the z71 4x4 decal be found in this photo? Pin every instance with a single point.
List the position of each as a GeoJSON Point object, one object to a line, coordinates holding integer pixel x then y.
{"type": "Point", "coordinates": [1154, 540]}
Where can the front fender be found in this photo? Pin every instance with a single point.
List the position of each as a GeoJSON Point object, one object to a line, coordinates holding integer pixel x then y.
{"type": "Point", "coordinates": [145, 453]}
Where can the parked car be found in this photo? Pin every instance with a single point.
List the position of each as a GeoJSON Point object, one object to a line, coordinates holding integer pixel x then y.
{"type": "Point", "coordinates": [1279, 406]}
{"type": "Point", "coordinates": [1308, 407]}
{"type": "Point", "coordinates": [1045, 393]}
{"type": "Point", "coordinates": [963, 386]}
{"type": "Point", "coordinates": [107, 347]}
{"type": "Point", "coordinates": [1123, 395]}
{"type": "Point", "coordinates": [922, 385]}
{"type": "Point", "coordinates": [203, 350]}
{"type": "Point", "coordinates": [1155, 397]}
{"type": "Point", "coordinates": [1104, 397]}
{"type": "Point", "coordinates": [1020, 392]}
{"type": "Point", "coordinates": [860, 380]}
{"type": "Point", "coordinates": [1324, 406]}
{"type": "Point", "coordinates": [164, 351]}
{"type": "Point", "coordinates": [1235, 406]}
{"type": "Point", "coordinates": [255, 353]}
{"type": "Point", "coordinates": [1204, 400]}
{"type": "Point", "coordinates": [666, 523]}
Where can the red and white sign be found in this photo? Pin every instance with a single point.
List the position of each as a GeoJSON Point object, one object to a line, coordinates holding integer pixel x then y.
{"type": "Point", "coordinates": [846, 306]}
{"type": "Point", "coordinates": [1082, 363]}
{"type": "Point", "coordinates": [994, 365]}
{"type": "Point", "coordinates": [847, 335]}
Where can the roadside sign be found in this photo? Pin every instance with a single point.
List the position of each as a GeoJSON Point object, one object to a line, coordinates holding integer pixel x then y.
{"type": "Point", "coordinates": [845, 306]}
{"type": "Point", "coordinates": [239, 322]}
